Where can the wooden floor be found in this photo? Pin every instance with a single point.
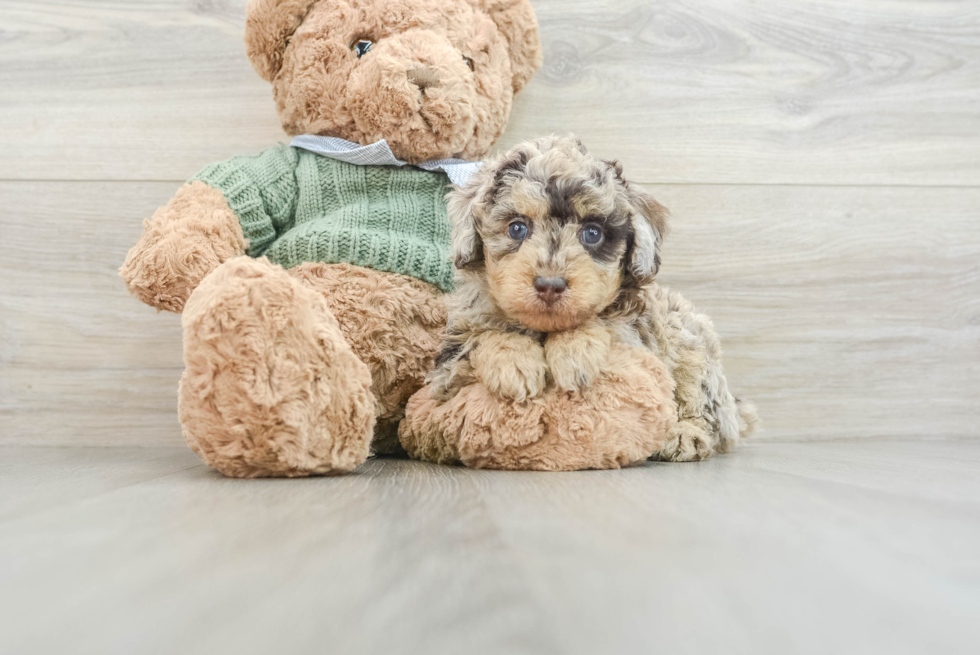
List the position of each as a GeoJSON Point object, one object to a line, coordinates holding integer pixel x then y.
{"type": "Point", "coordinates": [821, 159]}
{"type": "Point", "coordinates": [865, 546]}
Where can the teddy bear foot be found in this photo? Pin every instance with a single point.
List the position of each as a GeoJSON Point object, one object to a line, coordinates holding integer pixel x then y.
{"type": "Point", "coordinates": [620, 420]}
{"type": "Point", "coordinates": [270, 387]}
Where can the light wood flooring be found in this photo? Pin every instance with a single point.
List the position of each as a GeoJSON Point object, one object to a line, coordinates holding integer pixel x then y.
{"type": "Point", "coordinates": [863, 546]}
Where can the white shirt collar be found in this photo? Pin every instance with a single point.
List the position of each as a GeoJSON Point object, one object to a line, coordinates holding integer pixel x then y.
{"type": "Point", "coordinates": [378, 153]}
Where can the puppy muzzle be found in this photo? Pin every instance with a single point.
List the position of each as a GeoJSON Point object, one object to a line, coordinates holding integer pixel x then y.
{"type": "Point", "coordinates": [550, 289]}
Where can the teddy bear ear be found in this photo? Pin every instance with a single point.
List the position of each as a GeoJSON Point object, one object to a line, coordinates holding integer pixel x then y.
{"type": "Point", "coordinates": [268, 25]}
{"type": "Point", "coordinates": [516, 21]}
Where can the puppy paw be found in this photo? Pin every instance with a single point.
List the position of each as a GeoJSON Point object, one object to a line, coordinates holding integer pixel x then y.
{"type": "Point", "coordinates": [686, 442]}
{"type": "Point", "coordinates": [511, 366]}
{"type": "Point", "coordinates": [576, 357]}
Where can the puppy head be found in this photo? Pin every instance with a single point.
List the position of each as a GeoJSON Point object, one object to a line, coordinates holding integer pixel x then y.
{"type": "Point", "coordinates": [555, 233]}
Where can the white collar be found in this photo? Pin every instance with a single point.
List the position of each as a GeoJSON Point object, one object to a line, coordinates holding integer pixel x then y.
{"type": "Point", "coordinates": [378, 153]}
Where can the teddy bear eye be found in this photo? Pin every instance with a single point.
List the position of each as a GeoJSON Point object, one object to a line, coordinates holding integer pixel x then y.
{"type": "Point", "coordinates": [517, 231]}
{"type": "Point", "coordinates": [591, 234]}
{"type": "Point", "coordinates": [469, 62]}
{"type": "Point", "coordinates": [361, 46]}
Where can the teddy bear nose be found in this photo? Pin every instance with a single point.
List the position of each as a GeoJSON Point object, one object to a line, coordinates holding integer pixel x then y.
{"type": "Point", "coordinates": [423, 77]}
{"type": "Point", "coordinates": [550, 288]}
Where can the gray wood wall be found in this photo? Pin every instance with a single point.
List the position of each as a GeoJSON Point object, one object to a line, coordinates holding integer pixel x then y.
{"type": "Point", "coordinates": [821, 159]}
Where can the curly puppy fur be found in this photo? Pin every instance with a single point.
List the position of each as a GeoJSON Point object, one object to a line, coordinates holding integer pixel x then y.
{"type": "Point", "coordinates": [557, 255]}
{"type": "Point", "coordinates": [437, 80]}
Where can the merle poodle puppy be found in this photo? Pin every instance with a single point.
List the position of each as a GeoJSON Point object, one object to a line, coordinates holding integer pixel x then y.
{"type": "Point", "coordinates": [557, 255]}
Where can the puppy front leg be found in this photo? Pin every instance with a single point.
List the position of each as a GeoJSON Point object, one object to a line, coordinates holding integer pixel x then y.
{"type": "Point", "coordinates": [576, 357]}
{"type": "Point", "coordinates": [510, 365]}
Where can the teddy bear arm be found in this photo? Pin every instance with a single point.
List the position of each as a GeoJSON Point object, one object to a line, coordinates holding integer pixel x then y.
{"type": "Point", "coordinates": [228, 209]}
{"type": "Point", "coordinates": [262, 191]}
{"type": "Point", "coordinates": [185, 240]}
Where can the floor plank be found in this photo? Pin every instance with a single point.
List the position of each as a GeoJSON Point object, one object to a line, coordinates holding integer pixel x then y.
{"type": "Point", "coordinates": [809, 91]}
{"type": "Point", "coordinates": [845, 312]}
{"type": "Point", "coordinates": [34, 480]}
{"type": "Point", "coordinates": [80, 360]}
{"type": "Point", "coordinates": [851, 547]}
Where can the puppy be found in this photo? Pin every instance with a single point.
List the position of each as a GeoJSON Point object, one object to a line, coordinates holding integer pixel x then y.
{"type": "Point", "coordinates": [556, 255]}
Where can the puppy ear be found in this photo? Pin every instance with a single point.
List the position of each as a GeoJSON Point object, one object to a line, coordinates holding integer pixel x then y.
{"type": "Point", "coordinates": [649, 223]}
{"type": "Point", "coordinates": [468, 205]}
{"type": "Point", "coordinates": [461, 205]}
{"type": "Point", "coordinates": [268, 25]}
{"type": "Point", "coordinates": [649, 230]}
{"type": "Point", "coordinates": [516, 21]}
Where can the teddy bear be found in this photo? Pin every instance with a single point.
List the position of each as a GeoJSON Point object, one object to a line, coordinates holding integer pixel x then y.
{"type": "Point", "coordinates": [311, 276]}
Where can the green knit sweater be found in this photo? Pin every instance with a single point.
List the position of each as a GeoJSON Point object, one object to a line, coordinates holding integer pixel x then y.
{"type": "Point", "coordinates": [295, 206]}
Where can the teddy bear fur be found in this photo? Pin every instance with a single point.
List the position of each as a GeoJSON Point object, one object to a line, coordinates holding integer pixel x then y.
{"type": "Point", "coordinates": [320, 89]}
{"type": "Point", "coordinates": [620, 419]}
{"type": "Point", "coordinates": [294, 372]}
{"type": "Point", "coordinates": [271, 386]}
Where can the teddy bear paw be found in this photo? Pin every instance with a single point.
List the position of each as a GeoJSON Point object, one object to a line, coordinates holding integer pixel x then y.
{"type": "Point", "coordinates": [271, 387]}
{"type": "Point", "coordinates": [186, 240]}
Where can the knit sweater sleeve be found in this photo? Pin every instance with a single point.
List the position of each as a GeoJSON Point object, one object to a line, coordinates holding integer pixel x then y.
{"type": "Point", "coordinates": [262, 191]}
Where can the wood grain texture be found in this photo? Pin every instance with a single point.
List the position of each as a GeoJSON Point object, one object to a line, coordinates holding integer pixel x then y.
{"type": "Point", "coordinates": [707, 91]}
{"type": "Point", "coordinates": [80, 359]}
{"type": "Point", "coordinates": [35, 480]}
{"type": "Point", "coordinates": [851, 547]}
{"type": "Point", "coordinates": [844, 312]}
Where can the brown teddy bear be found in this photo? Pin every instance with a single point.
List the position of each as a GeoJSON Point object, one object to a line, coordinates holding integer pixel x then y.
{"type": "Point", "coordinates": [299, 354]}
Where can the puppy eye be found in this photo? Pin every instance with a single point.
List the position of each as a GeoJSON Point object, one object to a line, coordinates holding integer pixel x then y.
{"type": "Point", "coordinates": [591, 234]}
{"type": "Point", "coordinates": [469, 62]}
{"type": "Point", "coordinates": [361, 46]}
{"type": "Point", "coordinates": [517, 231]}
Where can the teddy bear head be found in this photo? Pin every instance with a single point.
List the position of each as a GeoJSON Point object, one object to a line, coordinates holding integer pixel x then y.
{"type": "Point", "coordinates": [435, 78]}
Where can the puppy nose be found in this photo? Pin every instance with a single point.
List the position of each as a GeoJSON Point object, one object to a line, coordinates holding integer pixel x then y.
{"type": "Point", "coordinates": [550, 288]}
{"type": "Point", "coordinates": [423, 77]}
